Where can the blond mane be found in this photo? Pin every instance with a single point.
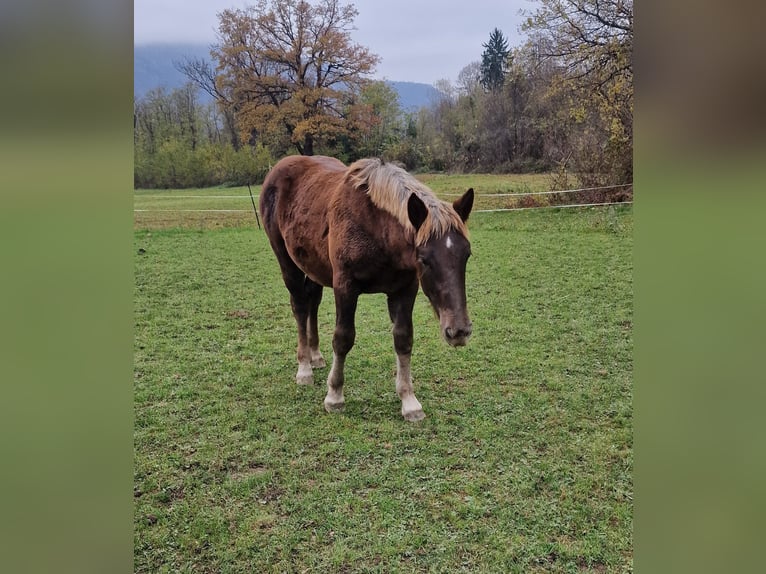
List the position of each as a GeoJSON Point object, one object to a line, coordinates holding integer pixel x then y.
{"type": "Point", "coordinates": [389, 187]}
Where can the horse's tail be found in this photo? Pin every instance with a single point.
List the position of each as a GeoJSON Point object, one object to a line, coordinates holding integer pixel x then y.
{"type": "Point", "coordinates": [268, 200]}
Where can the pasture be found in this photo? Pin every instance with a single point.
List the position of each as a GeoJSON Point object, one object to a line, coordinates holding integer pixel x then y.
{"type": "Point", "coordinates": [523, 463]}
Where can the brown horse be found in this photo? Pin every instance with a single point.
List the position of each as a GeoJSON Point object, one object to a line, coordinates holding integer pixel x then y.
{"type": "Point", "coordinates": [367, 228]}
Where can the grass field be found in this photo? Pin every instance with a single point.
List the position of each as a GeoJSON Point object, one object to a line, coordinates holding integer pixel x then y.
{"type": "Point", "coordinates": [217, 207]}
{"type": "Point", "coordinates": [523, 464]}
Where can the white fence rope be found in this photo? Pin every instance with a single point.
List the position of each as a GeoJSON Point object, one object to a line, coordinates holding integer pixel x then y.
{"type": "Point", "coordinates": [194, 196]}
{"type": "Point", "coordinates": [193, 210]}
{"type": "Point", "coordinates": [474, 211]}
{"type": "Point", "coordinates": [552, 206]}
{"type": "Point", "coordinates": [442, 194]}
{"type": "Point", "coordinates": [539, 192]}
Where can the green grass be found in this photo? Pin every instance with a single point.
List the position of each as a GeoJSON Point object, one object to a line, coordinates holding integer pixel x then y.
{"type": "Point", "coordinates": [523, 464]}
{"type": "Point", "coordinates": [487, 183]}
{"type": "Point", "coordinates": [163, 208]}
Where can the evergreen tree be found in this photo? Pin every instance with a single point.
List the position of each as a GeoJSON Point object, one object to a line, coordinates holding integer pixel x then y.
{"type": "Point", "coordinates": [494, 61]}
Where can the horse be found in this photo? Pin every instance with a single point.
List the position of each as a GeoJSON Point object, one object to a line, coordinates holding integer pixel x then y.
{"type": "Point", "coordinates": [370, 227]}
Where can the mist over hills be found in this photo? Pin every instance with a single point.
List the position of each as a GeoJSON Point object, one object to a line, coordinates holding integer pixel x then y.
{"type": "Point", "coordinates": [153, 68]}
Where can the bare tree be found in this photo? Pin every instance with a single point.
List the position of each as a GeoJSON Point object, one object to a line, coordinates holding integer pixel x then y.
{"type": "Point", "coordinates": [590, 44]}
{"type": "Point", "coordinates": [469, 78]}
{"type": "Point", "coordinates": [200, 73]}
{"type": "Point", "coordinates": [592, 38]}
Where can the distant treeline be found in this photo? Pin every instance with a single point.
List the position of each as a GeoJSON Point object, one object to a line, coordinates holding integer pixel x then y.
{"type": "Point", "coordinates": [562, 102]}
{"type": "Point", "coordinates": [180, 142]}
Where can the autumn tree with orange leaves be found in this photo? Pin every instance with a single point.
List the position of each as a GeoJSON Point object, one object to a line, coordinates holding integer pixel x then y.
{"type": "Point", "coordinates": [291, 73]}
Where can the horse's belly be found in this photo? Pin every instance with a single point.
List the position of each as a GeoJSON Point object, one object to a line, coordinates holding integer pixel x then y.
{"type": "Point", "coordinates": [320, 275]}
{"type": "Point", "coordinates": [314, 263]}
{"type": "Point", "coordinates": [302, 230]}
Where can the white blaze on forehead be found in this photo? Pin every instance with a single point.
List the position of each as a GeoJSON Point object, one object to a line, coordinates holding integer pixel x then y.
{"type": "Point", "coordinates": [449, 243]}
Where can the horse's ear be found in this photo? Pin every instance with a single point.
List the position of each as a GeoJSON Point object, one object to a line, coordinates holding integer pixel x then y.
{"type": "Point", "coordinates": [464, 205]}
{"type": "Point", "coordinates": [417, 211]}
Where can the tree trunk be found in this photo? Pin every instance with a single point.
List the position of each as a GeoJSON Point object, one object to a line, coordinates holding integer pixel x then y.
{"type": "Point", "coordinates": [308, 145]}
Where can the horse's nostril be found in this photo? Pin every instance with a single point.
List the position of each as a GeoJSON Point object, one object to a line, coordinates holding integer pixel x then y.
{"type": "Point", "coordinates": [450, 333]}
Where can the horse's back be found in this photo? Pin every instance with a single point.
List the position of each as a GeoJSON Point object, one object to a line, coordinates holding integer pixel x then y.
{"type": "Point", "coordinates": [298, 181]}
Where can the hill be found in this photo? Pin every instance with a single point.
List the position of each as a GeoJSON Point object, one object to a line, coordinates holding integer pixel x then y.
{"type": "Point", "coordinates": [153, 65]}
{"type": "Point", "coordinates": [153, 68]}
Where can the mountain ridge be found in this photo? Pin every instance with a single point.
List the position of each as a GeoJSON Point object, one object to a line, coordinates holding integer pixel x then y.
{"type": "Point", "coordinates": [153, 67]}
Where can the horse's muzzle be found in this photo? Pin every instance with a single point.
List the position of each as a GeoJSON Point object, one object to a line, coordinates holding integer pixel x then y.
{"type": "Point", "coordinates": [457, 337]}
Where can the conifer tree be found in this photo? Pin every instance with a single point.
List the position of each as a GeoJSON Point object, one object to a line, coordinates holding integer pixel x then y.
{"type": "Point", "coordinates": [494, 61]}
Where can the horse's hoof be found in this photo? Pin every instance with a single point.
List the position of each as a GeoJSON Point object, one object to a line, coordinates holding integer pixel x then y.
{"type": "Point", "coordinates": [318, 363]}
{"type": "Point", "coordinates": [332, 407]}
{"type": "Point", "coordinates": [414, 416]}
{"type": "Point", "coordinates": [305, 379]}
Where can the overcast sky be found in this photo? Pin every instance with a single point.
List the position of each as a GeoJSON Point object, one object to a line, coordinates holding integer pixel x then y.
{"type": "Point", "coordinates": [418, 40]}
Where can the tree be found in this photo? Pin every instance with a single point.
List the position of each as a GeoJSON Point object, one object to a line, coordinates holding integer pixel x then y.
{"type": "Point", "coordinates": [291, 70]}
{"type": "Point", "coordinates": [590, 44]}
{"type": "Point", "coordinates": [494, 61]}
{"type": "Point", "coordinates": [200, 73]}
{"type": "Point", "coordinates": [592, 39]}
{"type": "Point", "coordinates": [386, 122]}
{"type": "Point", "coordinates": [469, 78]}
{"type": "Point", "coordinates": [180, 142]}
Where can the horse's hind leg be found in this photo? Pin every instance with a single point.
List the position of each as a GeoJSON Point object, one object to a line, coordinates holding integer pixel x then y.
{"type": "Point", "coordinates": [400, 310]}
{"type": "Point", "coordinates": [301, 306]}
{"type": "Point", "coordinates": [314, 292]}
{"type": "Point", "coordinates": [305, 296]}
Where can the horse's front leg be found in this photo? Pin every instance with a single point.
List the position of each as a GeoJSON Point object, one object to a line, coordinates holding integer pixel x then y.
{"type": "Point", "coordinates": [346, 297]}
{"type": "Point", "coordinates": [400, 309]}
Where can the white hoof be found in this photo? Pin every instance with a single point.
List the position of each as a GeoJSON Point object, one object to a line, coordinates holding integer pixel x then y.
{"type": "Point", "coordinates": [305, 376]}
{"type": "Point", "coordinates": [305, 379]}
{"type": "Point", "coordinates": [413, 416]}
{"type": "Point", "coordinates": [412, 410]}
{"type": "Point", "coordinates": [332, 407]}
{"type": "Point", "coordinates": [334, 401]}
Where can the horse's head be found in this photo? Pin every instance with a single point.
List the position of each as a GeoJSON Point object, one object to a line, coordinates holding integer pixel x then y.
{"type": "Point", "coordinates": [441, 262]}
